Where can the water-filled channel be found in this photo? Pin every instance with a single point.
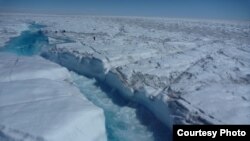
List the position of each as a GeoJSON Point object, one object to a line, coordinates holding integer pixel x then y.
{"type": "Point", "coordinates": [125, 121]}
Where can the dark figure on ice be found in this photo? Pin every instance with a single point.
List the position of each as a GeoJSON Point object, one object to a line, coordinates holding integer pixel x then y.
{"type": "Point", "coordinates": [94, 38]}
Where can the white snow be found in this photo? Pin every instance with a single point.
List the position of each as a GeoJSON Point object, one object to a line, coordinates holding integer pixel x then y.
{"type": "Point", "coordinates": [37, 104]}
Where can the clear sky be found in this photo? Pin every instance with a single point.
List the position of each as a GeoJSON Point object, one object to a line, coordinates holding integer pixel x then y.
{"type": "Point", "coordinates": [219, 9]}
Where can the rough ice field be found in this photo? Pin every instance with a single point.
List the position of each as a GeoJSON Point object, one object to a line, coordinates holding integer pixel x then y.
{"type": "Point", "coordinates": [184, 71]}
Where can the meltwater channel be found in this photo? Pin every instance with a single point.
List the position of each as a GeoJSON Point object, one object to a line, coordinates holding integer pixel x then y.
{"type": "Point", "coordinates": [125, 121]}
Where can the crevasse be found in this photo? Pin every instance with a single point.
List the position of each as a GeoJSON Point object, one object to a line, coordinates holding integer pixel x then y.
{"type": "Point", "coordinates": [126, 120]}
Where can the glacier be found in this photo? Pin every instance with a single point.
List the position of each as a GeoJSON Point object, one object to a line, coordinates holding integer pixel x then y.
{"type": "Point", "coordinates": [185, 71]}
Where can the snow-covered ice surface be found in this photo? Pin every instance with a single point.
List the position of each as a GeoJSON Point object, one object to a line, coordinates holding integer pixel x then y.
{"type": "Point", "coordinates": [39, 103]}
{"type": "Point", "coordinates": [184, 71]}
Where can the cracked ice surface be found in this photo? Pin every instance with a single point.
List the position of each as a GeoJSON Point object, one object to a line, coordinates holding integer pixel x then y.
{"type": "Point", "coordinates": [198, 71]}
{"type": "Point", "coordinates": [37, 102]}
